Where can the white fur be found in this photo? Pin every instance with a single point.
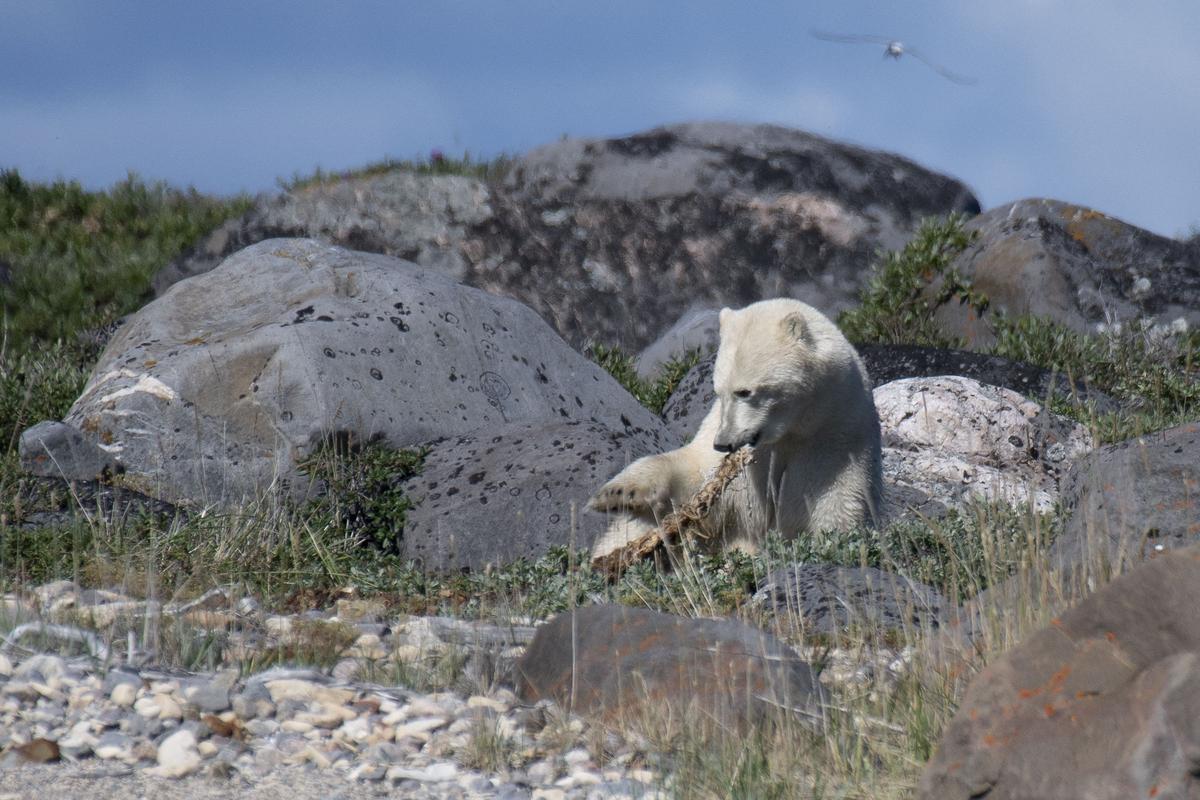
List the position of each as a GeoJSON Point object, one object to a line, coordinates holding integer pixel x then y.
{"type": "Point", "coordinates": [789, 384]}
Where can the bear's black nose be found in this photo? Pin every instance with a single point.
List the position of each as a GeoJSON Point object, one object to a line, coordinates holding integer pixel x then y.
{"type": "Point", "coordinates": [722, 447]}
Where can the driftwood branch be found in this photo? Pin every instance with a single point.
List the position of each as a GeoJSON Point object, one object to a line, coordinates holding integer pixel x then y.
{"type": "Point", "coordinates": [686, 521]}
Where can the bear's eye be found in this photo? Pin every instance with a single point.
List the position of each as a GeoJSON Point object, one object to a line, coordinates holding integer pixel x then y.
{"type": "Point", "coordinates": [742, 394]}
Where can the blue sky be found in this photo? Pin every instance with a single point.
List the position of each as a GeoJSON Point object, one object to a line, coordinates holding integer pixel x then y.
{"type": "Point", "coordinates": [1092, 101]}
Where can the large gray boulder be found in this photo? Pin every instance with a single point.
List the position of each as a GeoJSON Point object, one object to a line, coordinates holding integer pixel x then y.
{"type": "Point", "coordinates": [611, 240]}
{"type": "Point", "coordinates": [214, 391]}
{"type": "Point", "coordinates": [420, 218]}
{"type": "Point", "coordinates": [514, 491]}
{"type": "Point", "coordinates": [1102, 703]}
{"type": "Point", "coordinates": [1130, 501]}
{"type": "Point", "coordinates": [1075, 266]}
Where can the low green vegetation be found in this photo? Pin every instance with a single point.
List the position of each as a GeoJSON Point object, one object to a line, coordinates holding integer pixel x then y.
{"type": "Point", "coordinates": [653, 394]}
{"type": "Point", "coordinates": [908, 286]}
{"type": "Point", "coordinates": [488, 169]}
{"type": "Point", "coordinates": [80, 259]}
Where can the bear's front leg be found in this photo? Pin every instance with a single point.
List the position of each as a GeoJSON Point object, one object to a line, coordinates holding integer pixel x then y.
{"type": "Point", "coordinates": [643, 488]}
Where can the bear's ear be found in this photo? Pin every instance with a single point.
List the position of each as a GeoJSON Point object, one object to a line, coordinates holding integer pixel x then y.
{"type": "Point", "coordinates": [795, 326]}
{"type": "Point", "coordinates": [724, 316]}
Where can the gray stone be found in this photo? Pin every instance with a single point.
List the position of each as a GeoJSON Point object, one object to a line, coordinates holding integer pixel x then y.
{"type": "Point", "coordinates": [513, 491]}
{"type": "Point", "coordinates": [213, 392]}
{"type": "Point", "coordinates": [117, 676]}
{"type": "Point", "coordinates": [613, 240]}
{"type": "Point", "coordinates": [253, 702]}
{"type": "Point", "coordinates": [1075, 266]}
{"type": "Point", "coordinates": [1130, 501]}
{"type": "Point", "coordinates": [824, 598]}
{"type": "Point", "coordinates": [55, 450]}
{"type": "Point", "coordinates": [696, 331]}
{"type": "Point", "coordinates": [212, 696]}
{"type": "Point", "coordinates": [642, 667]}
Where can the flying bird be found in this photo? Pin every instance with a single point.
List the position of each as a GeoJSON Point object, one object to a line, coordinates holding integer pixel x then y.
{"type": "Point", "coordinates": [893, 48]}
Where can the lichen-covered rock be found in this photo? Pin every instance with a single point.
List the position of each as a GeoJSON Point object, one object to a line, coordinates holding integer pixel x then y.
{"type": "Point", "coordinates": [955, 439]}
{"type": "Point", "coordinates": [514, 491]}
{"type": "Point", "coordinates": [1103, 703]}
{"type": "Point", "coordinates": [213, 392]}
{"type": "Point", "coordinates": [1132, 500]}
{"type": "Point", "coordinates": [825, 598]}
{"type": "Point", "coordinates": [1075, 266]}
{"type": "Point", "coordinates": [643, 667]}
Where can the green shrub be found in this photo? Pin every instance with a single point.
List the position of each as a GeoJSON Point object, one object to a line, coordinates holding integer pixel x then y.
{"type": "Point", "coordinates": [897, 306]}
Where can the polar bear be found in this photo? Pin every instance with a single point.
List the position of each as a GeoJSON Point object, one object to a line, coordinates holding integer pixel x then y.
{"type": "Point", "coordinates": [790, 386]}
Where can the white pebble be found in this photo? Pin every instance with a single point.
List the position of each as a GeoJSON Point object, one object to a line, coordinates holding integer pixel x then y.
{"type": "Point", "coordinates": [177, 756]}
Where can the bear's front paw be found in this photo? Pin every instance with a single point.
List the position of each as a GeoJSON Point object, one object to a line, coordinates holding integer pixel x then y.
{"type": "Point", "coordinates": [629, 494]}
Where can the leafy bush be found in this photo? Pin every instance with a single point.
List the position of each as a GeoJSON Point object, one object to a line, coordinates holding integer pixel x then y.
{"type": "Point", "coordinates": [897, 305]}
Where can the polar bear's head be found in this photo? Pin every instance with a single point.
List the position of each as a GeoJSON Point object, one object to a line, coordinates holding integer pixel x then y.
{"type": "Point", "coordinates": [777, 365]}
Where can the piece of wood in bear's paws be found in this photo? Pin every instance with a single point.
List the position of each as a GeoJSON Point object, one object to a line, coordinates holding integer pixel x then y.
{"type": "Point", "coordinates": [633, 542]}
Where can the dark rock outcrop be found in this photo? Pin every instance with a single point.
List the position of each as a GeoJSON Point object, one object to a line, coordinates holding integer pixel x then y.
{"type": "Point", "coordinates": [612, 240]}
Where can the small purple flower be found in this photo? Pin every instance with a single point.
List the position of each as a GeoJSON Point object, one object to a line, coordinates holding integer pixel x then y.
{"type": "Point", "coordinates": [436, 156]}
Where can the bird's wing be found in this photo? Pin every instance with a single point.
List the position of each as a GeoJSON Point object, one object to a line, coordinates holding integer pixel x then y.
{"type": "Point", "coordinates": [850, 38]}
{"type": "Point", "coordinates": [945, 73]}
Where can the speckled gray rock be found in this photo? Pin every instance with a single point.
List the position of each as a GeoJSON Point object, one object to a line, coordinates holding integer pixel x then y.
{"type": "Point", "coordinates": [55, 450]}
{"type": "Point", "coordinates": [826, 598]}
{"type": "Point", "coordinates": [1075, 266]}
{"type": "Point", "coordinates": [956, 440]}
{"type": "Point", "coordinates": [507, 492]}
{"type": "Point", "coordinates": [420, 218]}
{"type": "Point", "coordinates": [212, 392]}
{"type": "Point", "coordinates": [1132, 500]}
{"type": "Point", "coordinates": [611, 240]}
